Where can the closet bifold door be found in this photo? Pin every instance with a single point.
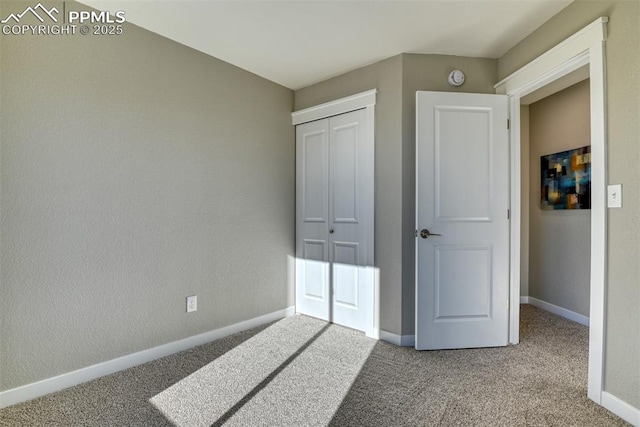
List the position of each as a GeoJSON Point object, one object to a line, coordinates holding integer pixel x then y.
{"type": "Point", "coordinates": [351, 279]}
{"type": "Point", "coordinates": [312, 219]}
{"type": "Point", "coordinates": [334, 217]}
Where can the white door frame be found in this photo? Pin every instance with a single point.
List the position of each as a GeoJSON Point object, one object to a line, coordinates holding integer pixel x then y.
{"type": "Point", "coordinates": [584, 47]}
{"type": "Point", "coordinates": [364, 100]}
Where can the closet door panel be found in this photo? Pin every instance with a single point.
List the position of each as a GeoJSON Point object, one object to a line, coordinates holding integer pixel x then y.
{"type": "Point", "coordinates": [312, 219]}
{"type": "Point", "coordinates": [349, 146]}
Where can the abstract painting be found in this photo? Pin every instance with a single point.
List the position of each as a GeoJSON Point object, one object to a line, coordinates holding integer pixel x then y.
{"type": "Point", "coordinates": [566, 179]}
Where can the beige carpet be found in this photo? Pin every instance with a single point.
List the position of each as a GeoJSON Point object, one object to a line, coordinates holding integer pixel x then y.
{"type": "Point", "coordinates": [303, 372]}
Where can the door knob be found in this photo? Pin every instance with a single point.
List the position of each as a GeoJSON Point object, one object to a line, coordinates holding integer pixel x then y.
{"type": "Point", "coordinates": [424, 233]}
{"type": "Point", "coordinates": [331, 231]}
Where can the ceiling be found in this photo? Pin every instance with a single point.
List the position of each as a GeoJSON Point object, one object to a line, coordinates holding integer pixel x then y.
{"type": "Point", "coordinates": [300, 42]}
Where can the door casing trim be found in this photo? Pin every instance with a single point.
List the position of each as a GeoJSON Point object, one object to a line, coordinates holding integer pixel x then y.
{"type": "Point", "coordinates": [333, 108]}
{"type": "Point", "coordinates": [587, 46]}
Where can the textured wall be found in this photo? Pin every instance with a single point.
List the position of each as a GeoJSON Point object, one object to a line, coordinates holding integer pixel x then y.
{"type": "Point", "coordinates": [134, 172]}
{"type": "Point", "coordinates": [622, 347]}
{"type": "Point", "coordinates": [560, 240]}
{"type": "Point", "coordinates": [386, 76]}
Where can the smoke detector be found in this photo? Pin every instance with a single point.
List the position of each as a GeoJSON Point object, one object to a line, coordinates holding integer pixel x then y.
{"type": "Point", "coordinates": [456, 78]}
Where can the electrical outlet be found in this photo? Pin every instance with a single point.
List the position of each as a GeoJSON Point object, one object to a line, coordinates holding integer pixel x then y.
{"type": "Point", "coordinates": [192, 303]}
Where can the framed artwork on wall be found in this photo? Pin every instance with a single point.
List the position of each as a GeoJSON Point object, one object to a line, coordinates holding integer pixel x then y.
{"type": "Point", "coordinates": [566, 180]}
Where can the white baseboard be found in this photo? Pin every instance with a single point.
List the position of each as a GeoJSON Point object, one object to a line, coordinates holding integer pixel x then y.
{"type": "Point", "coordinates": [621, 409]}
{"type": "Point", "coordinates": [399, 340]}
{"type": "Point", "coordinates": [49, 385]}
{"type": "Point", "coordinates": [524, 300]}
{"type": "Point", "coordinates": [567, 314]}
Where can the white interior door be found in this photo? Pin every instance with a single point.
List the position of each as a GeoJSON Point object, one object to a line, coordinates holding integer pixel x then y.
{"type": "Point", "coordinates": [462, 202]}
{"type": "Point", "coordinates": [334, 220]}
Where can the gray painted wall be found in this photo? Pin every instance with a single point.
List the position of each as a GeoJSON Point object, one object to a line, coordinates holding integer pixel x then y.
{"type": "Point", "coordinates": [622, 332]}
{"type": "Point", "coordinates": [397, 79]}
{"type": "Point", "coordinates": [560, 240]}
{"type": "Point", "coordinates": [134, 172]}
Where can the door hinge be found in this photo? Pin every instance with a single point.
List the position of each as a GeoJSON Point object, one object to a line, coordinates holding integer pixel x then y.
{"type": "Point", "coordinates": [508, 213]}
{"type": "Point", "coordinates": [415, 233]}
{"type": "Point", "coordinates": [508, 124]}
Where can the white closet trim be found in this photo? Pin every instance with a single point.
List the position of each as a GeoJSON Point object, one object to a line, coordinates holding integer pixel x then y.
{"type": "Point", "coordinates": [333, 108]}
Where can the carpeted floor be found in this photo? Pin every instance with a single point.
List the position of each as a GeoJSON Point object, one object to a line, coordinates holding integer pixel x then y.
{"type": "Point", "coordinates": [304, 372]}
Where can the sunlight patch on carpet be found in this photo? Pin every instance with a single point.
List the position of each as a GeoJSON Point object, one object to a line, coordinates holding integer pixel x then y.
{"type": "Point", "coordinates": [298, 369]}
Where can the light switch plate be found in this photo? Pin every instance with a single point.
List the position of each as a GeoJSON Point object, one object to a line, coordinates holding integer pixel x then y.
{"type": "Point", "coordinates": [192, 303]}
{"type": "Point", "coordinates": [614, 196]}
